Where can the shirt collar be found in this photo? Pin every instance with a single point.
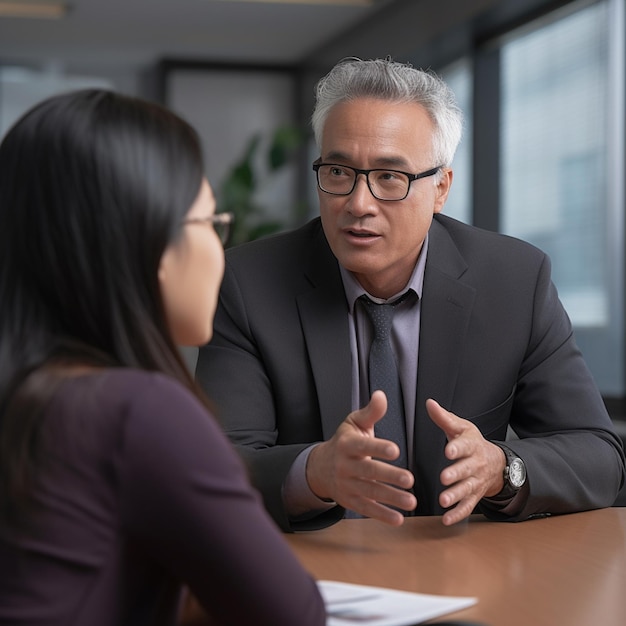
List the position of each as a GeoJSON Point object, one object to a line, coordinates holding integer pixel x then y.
{"type": "Point", "coordinates": [354, 290]}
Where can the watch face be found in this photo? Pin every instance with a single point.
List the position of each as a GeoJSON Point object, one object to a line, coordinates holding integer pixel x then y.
{"type": "Point", "coordinates": [517, 473]}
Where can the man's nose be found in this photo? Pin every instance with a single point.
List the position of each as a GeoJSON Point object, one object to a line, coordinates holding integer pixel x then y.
{"type": "Point", "coordinates": [361, 200]}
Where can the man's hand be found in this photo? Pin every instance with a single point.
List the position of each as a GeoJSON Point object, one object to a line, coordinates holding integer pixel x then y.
{"type": "Point", "coordinates": [478, 465]}
{"type": "Point", "coordinates": [351, 468]}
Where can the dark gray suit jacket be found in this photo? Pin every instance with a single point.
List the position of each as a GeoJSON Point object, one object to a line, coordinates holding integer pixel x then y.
{"type": "Point", "coordinates": [496, 347]}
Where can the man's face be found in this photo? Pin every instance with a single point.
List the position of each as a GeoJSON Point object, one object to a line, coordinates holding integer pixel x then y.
{"type": "Point", "coordinates": [379, 241]}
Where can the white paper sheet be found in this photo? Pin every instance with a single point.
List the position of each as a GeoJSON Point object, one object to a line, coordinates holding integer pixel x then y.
{"type": "Point", "coordinates": [351, 605]}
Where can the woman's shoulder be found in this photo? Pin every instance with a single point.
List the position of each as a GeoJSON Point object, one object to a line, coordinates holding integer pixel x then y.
{"type": "Point", "coordinates": [127, 393]}
{"type": "Point", "coordinates": [129, 379]}
{"type": "Point", "coordinates": [123, 384]}
{"type": "Point", "coordinates": [130, 410]}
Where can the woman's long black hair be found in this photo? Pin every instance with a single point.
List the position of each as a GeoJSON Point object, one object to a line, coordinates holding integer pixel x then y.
{"type": "Point", "coordinates": [93, 188]}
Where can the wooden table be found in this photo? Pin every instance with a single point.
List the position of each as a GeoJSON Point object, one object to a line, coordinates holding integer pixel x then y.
{"type": "Point", "coordinates": [565, 570]}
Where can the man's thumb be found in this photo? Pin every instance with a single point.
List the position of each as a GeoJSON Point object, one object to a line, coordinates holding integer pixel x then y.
{"type": "Point", "coordinates": [374, 411]}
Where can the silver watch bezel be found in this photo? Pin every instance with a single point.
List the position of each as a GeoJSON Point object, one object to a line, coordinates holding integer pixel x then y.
{"type": "Point", "coordinates": [515, 472]}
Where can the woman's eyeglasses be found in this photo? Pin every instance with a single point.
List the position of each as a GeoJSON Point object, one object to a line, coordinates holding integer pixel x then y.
{"type": "Point", "coordinates": [221, 222]}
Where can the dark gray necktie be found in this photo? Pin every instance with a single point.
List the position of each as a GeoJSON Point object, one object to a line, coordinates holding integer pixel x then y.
{"type": "Point", "coordinates": [383, 374]}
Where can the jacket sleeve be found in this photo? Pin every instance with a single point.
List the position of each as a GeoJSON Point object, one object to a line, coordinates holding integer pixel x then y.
{"type": "Point", "coordinates": [260, 381]}
{"type": "Point", "coordinates": [574, 458]}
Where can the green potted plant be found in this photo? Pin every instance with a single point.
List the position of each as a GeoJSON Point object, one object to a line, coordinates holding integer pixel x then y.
{"type": "Point", "coordinates": [237, 192]}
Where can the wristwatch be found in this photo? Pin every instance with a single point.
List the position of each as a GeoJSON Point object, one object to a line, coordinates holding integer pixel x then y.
{"type": "Point", "coordinates": [514, 471]}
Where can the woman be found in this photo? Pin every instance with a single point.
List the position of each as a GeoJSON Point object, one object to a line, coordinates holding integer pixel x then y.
{"type": "Point", "coordinates": [117, 486]}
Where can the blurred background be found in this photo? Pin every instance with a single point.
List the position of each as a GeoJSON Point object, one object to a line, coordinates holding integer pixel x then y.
{"type": "Point", "coordinates": [541, 83]}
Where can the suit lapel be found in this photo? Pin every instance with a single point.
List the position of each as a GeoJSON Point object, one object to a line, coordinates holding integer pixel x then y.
{"type": "Point", "coordinates": [445, 314]}
{"type": "Point", "coordinates": [446, 309]}
{"type": "Point", "coordinates": [324, 316]}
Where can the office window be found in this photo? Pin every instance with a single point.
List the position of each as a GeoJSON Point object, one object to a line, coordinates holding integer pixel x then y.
{"type": "Point", "coordinates": [459, 77]}
{"type": "Point", "coordinates": [556, 134]}
{"type": "Point", "coordinates": [21, 88]}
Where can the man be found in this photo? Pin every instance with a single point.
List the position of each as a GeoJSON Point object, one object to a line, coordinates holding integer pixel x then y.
{"type": "Point", "coordinates": [479, 337]}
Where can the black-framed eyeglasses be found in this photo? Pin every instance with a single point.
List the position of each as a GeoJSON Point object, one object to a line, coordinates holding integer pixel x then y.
{"type": "Point", "coordinates": [221, 222]}
{"type": "Point", "coordinates": [384, 184]}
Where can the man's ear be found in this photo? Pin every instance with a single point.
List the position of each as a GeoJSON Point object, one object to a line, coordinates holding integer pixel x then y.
{"type": "Point", "coordinates": [443, 188]}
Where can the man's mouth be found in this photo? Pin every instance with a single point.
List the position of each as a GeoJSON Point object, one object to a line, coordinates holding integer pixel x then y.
{"type": "Point", "coordinates": [362, 234]}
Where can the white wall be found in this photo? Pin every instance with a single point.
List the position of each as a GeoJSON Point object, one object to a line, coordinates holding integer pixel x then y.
{"type": "Point", "coordinates": [227, 108]}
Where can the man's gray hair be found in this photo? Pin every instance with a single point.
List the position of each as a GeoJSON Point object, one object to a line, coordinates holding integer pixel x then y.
{"type": "Point", "coordinates": [384, 79]}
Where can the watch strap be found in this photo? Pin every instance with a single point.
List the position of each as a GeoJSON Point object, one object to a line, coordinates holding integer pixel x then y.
{"type": "Point", "coordinates": [509, 489]}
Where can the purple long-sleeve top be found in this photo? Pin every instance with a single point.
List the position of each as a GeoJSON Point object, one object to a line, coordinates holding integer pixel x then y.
{"type": "Point", "coordinates": [140, 494]}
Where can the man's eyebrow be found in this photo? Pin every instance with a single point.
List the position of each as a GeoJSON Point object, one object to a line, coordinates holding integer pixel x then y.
{"type": "Point", "coordinates": [392, 162]}
{"type": "Point", "coordinates": [335, 156]}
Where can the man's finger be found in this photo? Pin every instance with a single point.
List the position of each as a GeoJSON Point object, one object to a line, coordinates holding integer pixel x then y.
{"type": "Point", "coordinates": [366, 417]}
{"type": "Point", "coordinates": [448, 422]}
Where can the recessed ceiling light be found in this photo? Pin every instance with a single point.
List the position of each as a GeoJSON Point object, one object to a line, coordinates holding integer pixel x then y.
{"type": "Point", "coordinates": [35, 10]}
